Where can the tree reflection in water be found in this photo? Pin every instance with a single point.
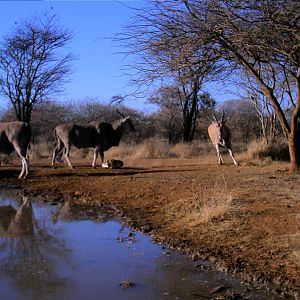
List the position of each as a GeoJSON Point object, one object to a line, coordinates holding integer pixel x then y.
{"type": "Point", "coordinates": [29, 251]}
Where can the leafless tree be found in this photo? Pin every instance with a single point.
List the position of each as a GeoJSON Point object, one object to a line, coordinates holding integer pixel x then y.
{"type": "Point", "coordinates": [169, 114]}
{"type": "Point", "coordinates": [270, 128]}
{"type": "Point", "coordinates": [33, 65]}
{"type": "Point", "coordinates": [242, 118]}
{"type": "Point", "coordinates": [207, 108]}
{"type": "Point", "coordinates": [163, 52]}
{"type": "Point", "coordinates": [258, 37]}
{"type": "Point", "coordinates": [262, 39]}
{"type": "Point", "coordinates": [267, 117]}
{"type": "Point", "coordinates": [173, 110]}
{"type": "Point", "coordinates": [46, 116]}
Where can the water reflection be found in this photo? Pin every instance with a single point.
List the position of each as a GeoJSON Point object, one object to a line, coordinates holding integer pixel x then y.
{"type": "Point", "coordinates": [16, 222]}
{"type": "Point", "coordinates": [29, 251]}
{"type": "Point", "coordinates": [62, 252]}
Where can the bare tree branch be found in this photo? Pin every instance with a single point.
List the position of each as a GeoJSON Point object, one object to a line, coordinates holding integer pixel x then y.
{"type": "Point", "coordinates": [33, 65]}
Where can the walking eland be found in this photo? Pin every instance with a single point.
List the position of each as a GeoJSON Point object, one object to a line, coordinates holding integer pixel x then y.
{"type": "Point", "coordinates": [16, 136]}
{"type": "Point", "coordinates": [220, 136]}
{"type": "Point", "coordinates": [98, 135]}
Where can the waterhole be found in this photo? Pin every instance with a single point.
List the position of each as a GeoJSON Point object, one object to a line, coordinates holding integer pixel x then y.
{"type": "Point", "coordinates": [59, 251]}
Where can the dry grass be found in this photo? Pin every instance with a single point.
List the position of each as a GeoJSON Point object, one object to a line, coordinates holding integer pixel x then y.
{"type": "Point", "coordinates": [291, 239]}
{"type": "Point", "coordinates": [259, 149]}
{"type": "Point", "coordinates": [41, 150]}
{"type": "Point", "coordinates": [296, 255]}
{"type": "Point", "coordinates": [152, 148]}
{"type": "Point", "coordinates": [257, 153]}
{"type": "Point", "coordinates": [201, 208]}
{"type": "Point", "coordinates": [158, 149]}
{"type": "Point", "coordinates": [124, 151]}
{"type": "Point", "coordinates": [149, 149]}
{"type": "Point", "coordinates": [255, 148]}
{"type": "Point", "coordinates": [189, 150]}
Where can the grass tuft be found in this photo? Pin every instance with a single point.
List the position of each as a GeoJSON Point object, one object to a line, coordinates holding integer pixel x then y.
{"type": "Point", "coordinates": [259, 149]}
{"type": "Point", "coordinates": [201, 208]}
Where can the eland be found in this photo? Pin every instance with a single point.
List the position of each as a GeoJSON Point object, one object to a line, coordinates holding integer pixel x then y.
{"type": "Point", "coordinates": [100, 136]}
{"type": "Point", "coordinates": [16, 136]}
{"type": "Point", "coordinates": [17, 222]}
{"type": "Point", "coordinates": [220, 136]}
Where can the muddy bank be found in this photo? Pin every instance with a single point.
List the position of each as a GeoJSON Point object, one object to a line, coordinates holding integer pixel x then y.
{"type": "Point", "coordinates": [64, 250]}
{"type": "Point", "coordinates": [257, 236]}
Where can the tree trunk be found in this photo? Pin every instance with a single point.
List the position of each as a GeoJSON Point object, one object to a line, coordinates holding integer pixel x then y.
{"type": "Point", "coordinates": [294, 143]}
{"type": "Point", "coordinates": [291, 131]}
{"type": "Point", "coordinates": [294, 136]}
{"type": "Point", "coordinates": [190, 115]}
{"type": "Point", "coordinates": [187, 126]}
{"type": "Point", "coordinates": [294, 152]}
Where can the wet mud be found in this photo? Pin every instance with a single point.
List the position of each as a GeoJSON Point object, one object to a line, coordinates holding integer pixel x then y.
{"type": "Point", "coordinates": [257, 239]}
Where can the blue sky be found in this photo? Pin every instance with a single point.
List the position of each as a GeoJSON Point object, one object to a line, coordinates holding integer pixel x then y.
{"type": "Point", "coordinates": [98, 68]}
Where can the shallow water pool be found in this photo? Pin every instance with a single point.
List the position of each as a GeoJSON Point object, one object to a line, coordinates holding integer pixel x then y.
{"type": "Point", "coordinates": [60, 252]}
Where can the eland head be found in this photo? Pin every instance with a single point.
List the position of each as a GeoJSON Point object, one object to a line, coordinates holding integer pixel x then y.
{"type": "Point", "coordinates": [126, 121]}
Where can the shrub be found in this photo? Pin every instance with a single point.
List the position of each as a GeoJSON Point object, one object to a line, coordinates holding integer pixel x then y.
{"type": "Point", "coordinates": [275, 150]}
{"type": "Point", "coordinates": [152, 148]}
{"type": "Point", "coordinates": [40, 150]}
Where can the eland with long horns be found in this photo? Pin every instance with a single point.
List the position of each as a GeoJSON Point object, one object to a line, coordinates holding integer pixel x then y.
{"type": "Point", "coordinates": [100, 136]}
{"type": "Point", "coordinates": [220, 136]}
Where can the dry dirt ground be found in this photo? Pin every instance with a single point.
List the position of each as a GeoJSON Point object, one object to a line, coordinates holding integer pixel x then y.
{"type": "Point", "coordinates": [257, 232]}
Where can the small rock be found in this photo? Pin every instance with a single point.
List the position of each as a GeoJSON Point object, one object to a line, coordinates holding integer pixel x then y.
{"type": "Point", "coordinates": [126, 284]}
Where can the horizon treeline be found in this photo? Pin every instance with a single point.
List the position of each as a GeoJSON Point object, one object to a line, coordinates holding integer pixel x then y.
{"type": "Point", "coordinates": [165, 123]}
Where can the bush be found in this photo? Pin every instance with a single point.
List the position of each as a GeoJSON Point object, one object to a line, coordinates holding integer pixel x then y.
{"type": "Point", "coordinates": [152, 148]}
{"type": "Point", "coordinates": [276, 150]}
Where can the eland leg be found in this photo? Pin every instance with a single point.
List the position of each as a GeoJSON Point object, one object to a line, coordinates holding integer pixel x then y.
{"type": "Point", "coordinates": [96, 150]}
{"type": "Point", "coordinates": [22, 154]}
{"type": "Point", "coordinates": [101, 156]}
{"type": "Point", "coordinates": [23, 169]}
{"type": "Point", "coordinates": [231, 154]}
{"type": "Point", "coordinates": [26, 203]}
{"type": "Point", "coordinates": [25, 162]}
{"type": "Point", "coordinates": [102, 159]}
{"type": "Point", "coordinates": [67, 156]}
{"type": "Point", "coordinates": [56, 154]}
{"type": "Point", "coordinates": [220, 159]}
{"type": "Point", "coordinates": [54, 157]}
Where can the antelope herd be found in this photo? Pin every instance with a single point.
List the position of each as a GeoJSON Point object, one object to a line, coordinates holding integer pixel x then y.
{"type": "Point", "coordinates": [101, 136]}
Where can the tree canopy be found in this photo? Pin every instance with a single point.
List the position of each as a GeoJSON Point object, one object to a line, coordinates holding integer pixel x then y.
{"type": "Point", "coordinates": [33, 65]}
{"type": "Point", "coordinates": [255, 39]}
